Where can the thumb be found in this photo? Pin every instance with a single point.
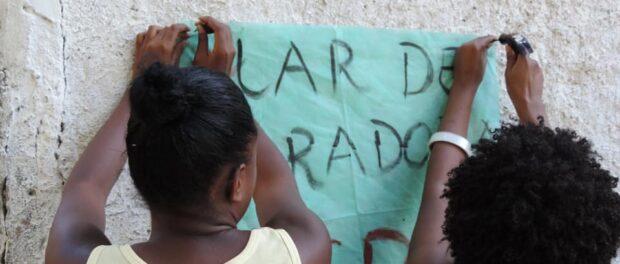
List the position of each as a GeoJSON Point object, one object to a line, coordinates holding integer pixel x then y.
{"type": "Point", "coordinates": [511, 57]}
{"type": "Point", "coordinates": [203, 43]}
{"type": "Point", "coordinates": [178, 50]}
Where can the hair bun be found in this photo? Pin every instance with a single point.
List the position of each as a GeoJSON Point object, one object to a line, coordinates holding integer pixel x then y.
{"type": "Point", "coordinates": [158, 97]}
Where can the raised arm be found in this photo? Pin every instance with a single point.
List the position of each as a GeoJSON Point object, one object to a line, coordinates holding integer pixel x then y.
{"type": "Point", "coordinates": [79, 222]}
{"type": "Point", "coordinates": [524, 82]}
{"type": "Point", "coordinates": [278, 203]}
{"type": "Point", "coordinates": [426, 245]}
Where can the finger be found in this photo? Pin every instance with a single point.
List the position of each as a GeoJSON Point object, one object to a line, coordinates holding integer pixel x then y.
{"type": "Point", "coordinates": [175, 31]}
{"type": "Point", "coordinates": [532, 63]}
{"type": "Point", "coordinates": [485, 42]}
{"type": "Point", "coordinates": [229, 73]}
{"type": "Point", "coordinates": [178, 50]}
{"type": "Point", "coordinates": [521, 64]}
{"type": "Point", "coordinates": [511, 57]}
{"type": "Point", "coordinates": [162, 33]}
{"type": "Point", "coordinates": [536, 73]}
{"type": "Point", "coordinates": [212, 23]}
{"type": "Point", "coordinates": [140, 40]}
{"type": "Point", "coordinates": [203, 42]}
{"type": "Point", "coordinates": [223, 39]}
{"type": "Point", "coordinates": [533, 66]}
{"type": "Point", "coordinates": [152, 31]}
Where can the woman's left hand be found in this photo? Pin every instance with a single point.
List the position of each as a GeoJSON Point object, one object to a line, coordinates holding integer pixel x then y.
{"type": "Point", "coordinates": [159, 45]}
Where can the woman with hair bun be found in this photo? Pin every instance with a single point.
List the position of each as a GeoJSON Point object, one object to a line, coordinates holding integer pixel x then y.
{"type": "Point", "coordinates": [197, 157]}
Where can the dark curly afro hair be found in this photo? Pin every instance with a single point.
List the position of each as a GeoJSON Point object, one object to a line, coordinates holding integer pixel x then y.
{"type": "Point", "coordinates": [532, 195]}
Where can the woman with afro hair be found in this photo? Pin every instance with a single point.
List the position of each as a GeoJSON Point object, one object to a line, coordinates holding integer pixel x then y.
{"type": "Point", "coordinates": [531, 194]}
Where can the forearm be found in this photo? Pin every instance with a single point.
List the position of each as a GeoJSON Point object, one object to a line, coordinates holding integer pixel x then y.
{"type": "Point", "coordinates": [444, 158]}
{"type": "Point", "coordinates": [81, 214]}
{"type": "Point", "coordinates": [458, 111]}
{"type": "Point", "coordinates": [104, 157]}
{"type": "Point", "coordinates": [525, 83]}
{"type": "Point", "coordinates": [276, 188]}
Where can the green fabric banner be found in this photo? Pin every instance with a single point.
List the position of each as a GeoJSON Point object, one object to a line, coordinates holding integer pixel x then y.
{"type": "Point", "coordinates": [352, 109]}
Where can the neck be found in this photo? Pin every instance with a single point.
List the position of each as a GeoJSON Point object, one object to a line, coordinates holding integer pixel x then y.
{"type": "Point", "coordinates": [189, 224]}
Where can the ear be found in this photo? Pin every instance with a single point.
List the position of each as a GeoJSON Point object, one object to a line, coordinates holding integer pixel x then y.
{"type": "Point", "coordinates": [240, 184]}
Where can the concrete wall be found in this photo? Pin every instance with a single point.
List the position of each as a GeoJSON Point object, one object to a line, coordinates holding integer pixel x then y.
{"type": "Point", "coordinates": [65, 63]}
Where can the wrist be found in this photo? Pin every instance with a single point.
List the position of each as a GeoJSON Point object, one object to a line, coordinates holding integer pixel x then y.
{"type": "Point", "coordinates": [457, 112]}
{"type": "Point", "coordinates": [465, 86]}
{"type": "Point", "coordinates": [530, 110]}
{"type": "Point", "coordinates": [463, 92]}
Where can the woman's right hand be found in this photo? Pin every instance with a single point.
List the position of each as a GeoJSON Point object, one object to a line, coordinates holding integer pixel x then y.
{"type": "Point", "coordinates": [470, 63]}
{"type": "Point", "coordinates": [221, 57]}
{"type": "Point", "coordinates": [524, 82]}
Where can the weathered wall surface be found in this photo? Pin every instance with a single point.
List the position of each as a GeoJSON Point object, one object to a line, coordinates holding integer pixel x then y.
{"type": "Point", "coordinates": [64, 65]}
{"type": "Point", "coordinates": [32, 98]}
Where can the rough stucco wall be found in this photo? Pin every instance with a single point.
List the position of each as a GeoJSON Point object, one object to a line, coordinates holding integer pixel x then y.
{"type": "Point", "coordinates": [64, 65]}
{"type": "Point", "coordinates": [30, 112]}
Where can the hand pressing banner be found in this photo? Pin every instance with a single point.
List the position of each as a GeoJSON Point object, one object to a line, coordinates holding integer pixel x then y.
{"type": "Point", "coordinates": [352, 109]}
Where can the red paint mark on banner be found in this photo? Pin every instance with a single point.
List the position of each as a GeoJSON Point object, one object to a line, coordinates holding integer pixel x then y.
{"type": "Point", "coordinates": [381, 234]}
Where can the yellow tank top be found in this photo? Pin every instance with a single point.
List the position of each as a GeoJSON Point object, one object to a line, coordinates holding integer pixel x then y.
{"type": "Point", "coordinates": [265, 245]}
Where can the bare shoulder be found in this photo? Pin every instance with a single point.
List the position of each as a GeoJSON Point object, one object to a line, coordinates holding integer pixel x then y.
{"type": "Point", "coordinates": [309, 235]}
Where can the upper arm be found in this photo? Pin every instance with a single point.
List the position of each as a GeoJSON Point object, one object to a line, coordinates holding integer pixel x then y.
{"type": "Point", "coordinates": [279, 204]}
{"type": "Point", "coordinates": [308, 232]}
{"type": "Point", "coordinates": [79, 222]}
{"type": "Point", "coordinates": [78, 226]}
{"type": "Point", "coordinates": [429, 254]}
{"type": "Point", "coordinates": [427, 244]}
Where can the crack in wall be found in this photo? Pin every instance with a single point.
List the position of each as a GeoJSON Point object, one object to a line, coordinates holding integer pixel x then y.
{"type": "Point", "coordinates": [3, 196]}
{"type": "Point", "coordinates": [12, 110]}
{"type": "Point", "coordinates": [3, 77]}
{"type": "Point", "coordinates": [64, 92]}
{"type": "Point", "coordinates": [3, 84]}
{"type": "Point", "coordinates": [4, 208]}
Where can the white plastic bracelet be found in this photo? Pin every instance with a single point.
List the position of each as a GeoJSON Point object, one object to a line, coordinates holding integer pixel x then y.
{"type": "Point", "coordinates": [453, 139]}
